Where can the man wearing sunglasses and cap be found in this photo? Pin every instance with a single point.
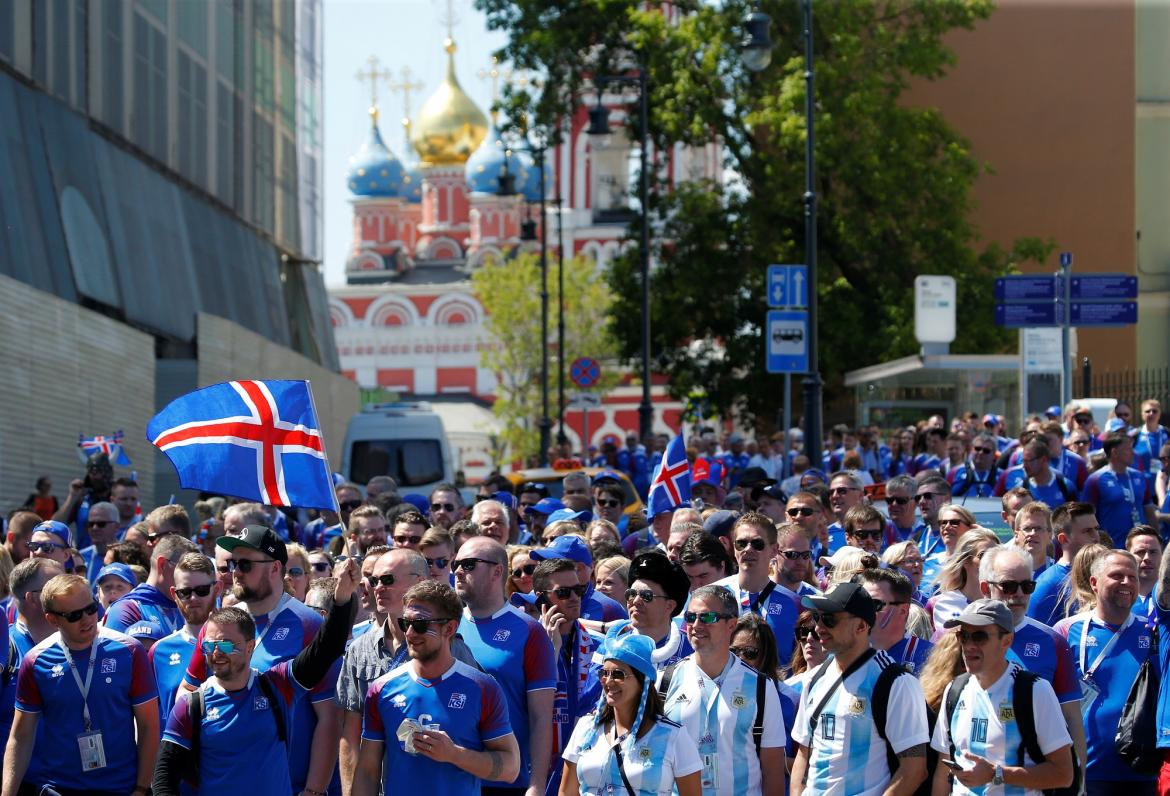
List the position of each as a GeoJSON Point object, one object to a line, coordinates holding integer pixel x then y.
{"type": "Point", "coordinates": [242, 708]}
{"type": "Point", "coordinates": [148, 611]}
{"type": "Point", "coordinates": [658, 590]}
{"type": "Point", "coordinates": [594, 605]}
{"type": "Point", "coordinates": [843, 744]}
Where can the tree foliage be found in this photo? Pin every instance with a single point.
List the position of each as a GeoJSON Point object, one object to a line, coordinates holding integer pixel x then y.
{"type": "Point", "coordinates": [893, 180]}
{"type": "Point", "coordinates": [509, 291]}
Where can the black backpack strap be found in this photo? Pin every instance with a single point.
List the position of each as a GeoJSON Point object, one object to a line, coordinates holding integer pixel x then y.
{"type": "Point", "coordinates": [880, 702]}
{"type": "Point", "coordinates": [1025, 720]}
{"type": "Point", "coordinates": [12, 666]}
{"type": "Point", "coordinates": [1067, 492]}
{"type": "Point", "coordinates": [956, 690]}
{"type": "Point", "coordinates": [758, 724]}
{"type": "Point", "coordinates": [195, 710]}
{"type": "Point", "coordinates": [269, 692]}
{"type": "Point", "coordinates": [667, 676]}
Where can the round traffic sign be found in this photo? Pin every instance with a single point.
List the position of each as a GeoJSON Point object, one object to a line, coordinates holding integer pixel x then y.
{"type": "Point", "coordinates": [585, 371]}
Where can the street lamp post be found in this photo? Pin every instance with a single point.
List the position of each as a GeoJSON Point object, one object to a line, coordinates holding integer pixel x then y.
{"type": "Point", "coordinates": [599, 126]}
{"type": "Point", "coordinates": [757, 48]}
{"type": "Point", "coordinates": [561, 437]}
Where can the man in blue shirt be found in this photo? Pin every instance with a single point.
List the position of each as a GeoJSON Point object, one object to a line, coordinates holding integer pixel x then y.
{"type": "Point", "coordinates": [891, 593]}
{"type": "Point", "coordinates": [977, 476]}
{"type": "Point", "coordinates": [1076, 527]}
{"type": "Point", "coordinates": [102, 524]}
{"type": "Point", "coordinates": [1120, 493]}
{"type": "Point", "coordinates": [513, 648]}
{"type": "Point", "coordinates": [195, 591]}
{"type": "Point", "coordinates": [1035, 474]}
{"type": "Point", "coordinates": [845, 492]}
{"type": "Point", "coordinates": [595, 605]}
{"type": "Point", "coordinates": [147, 612]}
{"type": "Point", "coordinates": [1109, 645]}
{"type": "Point", "coordinates": [90, 692]}
{"type": "Point", "coordinates": [932, 494]}
{"type": "Point", "coordinates": [1149, 437]}
{"type": "Point", "coordinates": [1033, 534]}
{"type": "Point", "coordinates": [435, 725]}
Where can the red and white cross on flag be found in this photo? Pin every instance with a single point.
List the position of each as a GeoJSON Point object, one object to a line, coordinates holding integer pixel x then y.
{"type": "Point", "coordinates": [671, 486]}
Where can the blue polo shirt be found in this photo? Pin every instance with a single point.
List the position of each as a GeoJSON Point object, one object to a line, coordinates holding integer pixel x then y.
{"type": "Point", "coordinates": [1120, 500]}
{"type": "Point", "coordinates": [1044, 652]}
{"type": "Point", "coordinates": [1147, 445]}
{"type": "Point", "coordinates": [7, 679]}
{"type": "Point", "coordinates": [144, 613]}
{"type": "Point", "coordinates": [1051, 493]}
{"type": "Point", "coordinates": [169, 659]}
{"type": "Point", "coordinates": [466, 704]}
{"type": "Point", "coordinates": [966, 480]}
{"type": "Point", "coordinates": [512, 647]}
{"type": "Point", "coordinates": [779, 608]}
{"type": "Point", "coordinates": [601, 607]}
{"type": "Point", "coordinates": [1163, 629]}
{"type": "Point", "coordinates": [1045, 606]}
{"type": "Point", "coordinates": [911, 651]}
{"type": "Point", "coordinates": [45, 686]}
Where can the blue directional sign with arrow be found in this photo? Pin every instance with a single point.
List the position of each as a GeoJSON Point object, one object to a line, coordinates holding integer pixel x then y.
{"type": "Point", "coordinates": [788, 286]}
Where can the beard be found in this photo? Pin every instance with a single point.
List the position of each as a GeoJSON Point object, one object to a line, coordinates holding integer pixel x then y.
{"type": "Point", "coordinates": [423, 656]}
{"type": "Point", "coordinates": [245, 594]}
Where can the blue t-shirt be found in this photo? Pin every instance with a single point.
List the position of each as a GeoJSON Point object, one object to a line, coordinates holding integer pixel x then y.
{"type": "Point", "coordinates": [965, 480]}
{"type": "Point", "coordinates": [1051, 493]}
{"type": "Point", "coordinates": [1114, 668]}
{"type": "Point", "coordinates": [168, 660]}
{"type": "Point", "coordinates": [468, 705]}
{"type": "Point", "coordinates": [836, 538]}
{"type": "Point", "coordinates": [601, 607]}
{"type": "Point", "coordinates": [1147, 445]}
{"type": "Point", "coordinates": [513, 647]}
{"type": "Point", "coordinates": [121, 681]}
{"type": "Point", "coordinates": [1163, 630]}
{"type": "Point", "coordinates": [778, 608]}
{"type": "Point", "coordinates": [1044, 652]}
{"type": "Point", "coordinates": [7, 679]}
{"type": "Point", "coordinates": [1045, 606]}
{"type": "Point", "coordinates": [234, 721]}
{"type": "Point", "coordinates": [144, 613]}
{"type": "Point", "coordinates": [1119, 499]}
{"type": "Point", "coordinates": [911, 651]}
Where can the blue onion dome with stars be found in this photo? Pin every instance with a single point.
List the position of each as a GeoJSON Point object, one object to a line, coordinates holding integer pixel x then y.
{"type": "Point", "coordinates": [373, 169]}
{"type": "Point", "coordinates": [410, 186]}
{"type": "Point", "coordinates": [486, 164]}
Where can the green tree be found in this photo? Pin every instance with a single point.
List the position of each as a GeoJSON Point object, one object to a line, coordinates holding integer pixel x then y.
{"type": "Point", "coordinates": [893, 181]}
{"type": "Point", "coordinates": [509, 291]}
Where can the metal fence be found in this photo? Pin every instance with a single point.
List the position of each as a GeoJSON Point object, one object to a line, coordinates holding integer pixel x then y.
{"type": "Point", "coordinates": [1131, 386]}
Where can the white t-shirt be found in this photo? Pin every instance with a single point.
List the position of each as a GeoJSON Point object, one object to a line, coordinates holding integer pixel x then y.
{"type": "Point", "coordinates": [847, 756]}
{"type": "Point", "coordinates": [947, 605]}
{"type": "Point", "coordinates": [984, 724]}
{"type": "Point", "coordinates": [652, 762]}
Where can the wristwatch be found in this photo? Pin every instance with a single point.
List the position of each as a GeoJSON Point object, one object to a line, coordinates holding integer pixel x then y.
{"type": "Point", "coordinates": [998, 778]}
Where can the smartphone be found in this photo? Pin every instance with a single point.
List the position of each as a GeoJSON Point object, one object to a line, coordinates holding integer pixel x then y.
{"type": "Point", "coordinates": [951, 764]}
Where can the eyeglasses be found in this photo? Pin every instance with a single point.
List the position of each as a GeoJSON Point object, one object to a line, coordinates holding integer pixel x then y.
{"type": "Point", "coordinates": [617, 675]}
{"type": "Point", "coordinates": [750, 653]}
{"type": "Point", "coordinates": [950, 522]}
{"type": "Point", "coordinates": [645, 595]}
{"type": "Point", "coordinates": [45, 547]}
{"type": "Point", "coordinates": [800, 511]}
{"type": "Point", "coordinates": [153, 536]}
{"type": "Point", "coordinates": [874, 534]}
{"type": "Point", "coordinates": [609, 504]}
{"type": "Point", "coordinates": [880, 605]}
{"type": "Point", "coordinates": [1010, 586]}
{"type": "Point", "coordinates": [803, 632]}
{"type": "Point", "coordinates": [225, 647]}
{"type": "Point", "coordinates": [223, 569]}
{"type": "Point", "coordinates": [827, 620]}
{"type": "Point", "coordinates": [420, 626]}
{"type": "Point", "coordinates": [925, 496]}
{"type": "Point", "coordinates": [704, 617]}
{"type": "Point", "coordinates": [442, 507]}
{"type": "Point", "coordinates": [350, 505]}
{"type": "Point", "coordinates": [380, 580]}
{"type": "Point", "coordinates": [321, 566]}
{"type": "Point", "coordinates": [755, 544]}
{"type": "Point", "coordinates": [563, 592]}
{"type": "Point", "coordinates": [75, 616]}
{"type": "Point", "coordinates": [468, 564]}
{"type": "Point", "coordinates": [979, 637]}
{"type": "Point", "coordinates": [198, 591]}
{"type": "Point", "coordinates": [294, 572]}
{"type": "Point", "coordinates": [983, 450]}
{"type": "Point", "coordinates": [526, 569]}
{"type": "Point", "coordinates": [407, 539]}
{"type": "Point", "coordinates": [897, 500]}
{"type": "Point", "coordinates": [441, 563]}
{"type": "Point", "coordinates": [245, 565]}
{"type": "Point", "coordinates": [98, 523]}
{"type": "Point", "coordinates": [794, 555]}
{"type": "Point", "coordinates": [841, 490]}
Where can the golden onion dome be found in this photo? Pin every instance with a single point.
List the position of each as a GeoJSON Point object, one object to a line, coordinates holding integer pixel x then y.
{"type": "Point", "coordinates": [450, 126]}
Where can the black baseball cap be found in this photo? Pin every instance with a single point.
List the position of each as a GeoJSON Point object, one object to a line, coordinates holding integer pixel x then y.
{"type": "Point", "coordinates": [256, 537]}
{"type": "Point", "coordinates": [851, 598]}
{"type": "Point", "coordinates": [721, 522]}
{"type": "Point", "coordinates": [755, 476]}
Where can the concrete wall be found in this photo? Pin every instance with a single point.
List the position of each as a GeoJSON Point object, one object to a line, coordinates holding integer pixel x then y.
{"type": "Point", "coordinates": [67, 371]}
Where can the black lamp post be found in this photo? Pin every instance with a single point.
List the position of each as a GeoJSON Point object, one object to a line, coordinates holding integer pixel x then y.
{"type": "Point", "coordinates": [561, 437]}
{"type": "Point", "coordinates": [757, 50]}
{"type": "Point", "coordinates": [599, 126]}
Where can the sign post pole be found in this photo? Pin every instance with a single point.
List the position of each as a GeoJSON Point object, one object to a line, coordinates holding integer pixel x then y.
{"type": "Point", "coordinates": [1065, 296]}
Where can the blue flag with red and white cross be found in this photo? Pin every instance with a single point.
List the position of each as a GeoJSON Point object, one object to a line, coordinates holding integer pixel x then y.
{"type": "Point", "coordinates": [670, 488]}
{"type": "Point", "coordinates": [257, 440]}
{"type": "Point", "coordinates": [110, 445]}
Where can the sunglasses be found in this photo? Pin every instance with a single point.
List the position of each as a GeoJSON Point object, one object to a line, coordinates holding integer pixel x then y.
{"type": "Point", "coordinates": [1079, 442]}
{"type": "Point", "coordinates": [880, 605]}
{"type": "Point", "coordinates": [645, 595]}
{"type": "Point", "coordinates": [44, 547]}
{"type": "Point", "coordinates": [350, 505]}
{"type": "Point", "coordinates": [979, 637]}
{"type": "Point", "coordinates": [755, 544]}
{"type": "Point", "coordinates": [527, 569]}
{"type": "Point", "coordinates": [866, 534]}
{"type": "Point", "coordinates": [563, 592]}
{"type": "Point", "coordinates": [826, 620]}
{"type": "Point", "coordinates": [1010, 586]}
{"type": "Point", "coordinates": [442, 507]}
{"type": "Point", "coordinates": [925, 496]}
{"type": "Point", "coordinates": [294, 572]}
{"type": "Point", "coordinates": [950, 522]}
{"type": "Point", "coordinates": [1083, 418]}
{"type": "Point", "coordinates": [843, 490]}
{"type": "Point", "coordinates": [983, 450]}
{"type": "Point", "coordinates": [420, 626]}
{"type": "Point", "coordinates": [223, 569]}
{"type": "Point", "coordinates": [380, 580]}
{"type": "Point", "coordinates": [793, 555]}
{"type": "Point", "coordinates": [609, 504]}
{"type": "Point", "coordinates": [751, 653]}
{"type": "Point", "coordinates": [800, 511]}
{"type": "Point", "coordinates": [246, 565]}
{"type": "Point", "coordinates": [155, 535]}
{"type": "Point", "coordinates": [468, 564]}
{"type": "Point", "coordinates": [617, 675]}
{"type": "Point", "coordinates": [440, 563]}
{"type": "Point", "coordinates": [704, 617]}
{"type": "Point", "coordinates": [198, 591]}
{"type": "Point", "coordinates": [803, 632]}
{"type": "Point", "coordinates": [321, 566]}
{"type": "Point", "coordinates": [898, 500]}
{"type": "Point", "coordinates": [225, 647]}
{"type": "Point", "coordinates": [404, 539]}
{"type": "Point", "coordinates": [98, 523]}
{"type": "Point", "coordinates": [74, 616]}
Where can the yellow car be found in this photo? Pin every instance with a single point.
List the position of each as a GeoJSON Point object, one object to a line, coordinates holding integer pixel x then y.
{"type": "Point", "coordinates": [551, 478]}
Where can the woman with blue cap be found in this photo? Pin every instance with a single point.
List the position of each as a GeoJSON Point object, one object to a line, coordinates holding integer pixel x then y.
{"type": "Point", "coordinates": [626, 747]}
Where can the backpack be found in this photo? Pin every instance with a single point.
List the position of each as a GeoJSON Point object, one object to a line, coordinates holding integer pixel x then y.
{"type": "Point", "coordinates": [1025, 721]}
{"type": "Point", "coordinates": [761, 684]}
{"type": "Point", "coordinates": [1137, 729]}
{"type": "Point", "coordinates": [195, 706]}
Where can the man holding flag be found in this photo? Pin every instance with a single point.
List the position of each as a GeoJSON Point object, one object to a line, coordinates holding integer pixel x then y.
{"type": "Point", "coordinates": [670, 489]}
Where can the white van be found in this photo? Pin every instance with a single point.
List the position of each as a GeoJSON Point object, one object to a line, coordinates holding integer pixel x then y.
{"type": "Point", "coordinates": [405, 441]}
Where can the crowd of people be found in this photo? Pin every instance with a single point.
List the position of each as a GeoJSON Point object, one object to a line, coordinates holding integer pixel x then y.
{"type": "Point", "coordinates": [851, 628]}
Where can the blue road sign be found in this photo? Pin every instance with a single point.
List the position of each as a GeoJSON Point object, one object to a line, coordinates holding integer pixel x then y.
{"type": "Point", "coordinates": [1066, 259]}
{"type": "Point", "coordinates": [1103, 286]}
{"type": "Point", "coordinates": [1019, 316]}
{"type": "Point", "coordinates": [1025, 288]}
{"type": "Point", "coordinates": [788, 286]}
{"type": "Point", "coordinates": [1113, 313]}
{"type": "Point", "coordinates": [585, 371]}
{"type": "Point", "coordinates": [786, 341]}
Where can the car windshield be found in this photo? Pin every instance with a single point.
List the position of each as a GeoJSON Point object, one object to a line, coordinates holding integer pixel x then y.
{"type": "Point", "coordinates": [410, 462]}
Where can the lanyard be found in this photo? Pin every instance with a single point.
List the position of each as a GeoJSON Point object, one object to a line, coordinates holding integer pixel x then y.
{"type": "Point", "coordinates": [82, 687]}
{"type": "Point", "coordinates": [761, 598]}
{"type": "Point", "coordinates": [1088, 673]}
{"type": "Point", "coordinates": [710, 706]}
{"type": "Point", "coordinates": [275, 612]}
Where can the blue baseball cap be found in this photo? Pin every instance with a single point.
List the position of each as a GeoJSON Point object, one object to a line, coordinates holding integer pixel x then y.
{"type": "Point", "coordinates": [545, 506]}
{"type": "Point", "coordinates": [58, 529]}
{"type": "Point", "coordinates": [118, 571]}
{"type": "Point", "coordinates": [607, 475]}
{"type": "Point", "coordinates": [634, 650]}
{"type": "Point", "coordinates": [420, 502]}
{"type": "Point", "coordinates": [507, 498]}
{"type": "Point", "coordinates": [1113, 424]}
{"type": "Point", "coordinates": [1053, 412]}
{"type": "Point", "coordinates": [568, 514]}
{"type": "Point", "coordinates": [568, 546]}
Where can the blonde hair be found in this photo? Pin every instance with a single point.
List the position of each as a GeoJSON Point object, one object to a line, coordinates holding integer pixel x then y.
{"type": "Point", "coordinates": [850, 564]}
{"type": "Point", "coordinates": [60, 585]}
{"type": "Point", "coordinates": [1076, 594]}
{"type": "Point", "coordinates": [943, 664]}
{"type": "Point", "coordinates": [967, 517]}
{"type": "Point", "coordinates": [295, 549]}
{"type": "Point", "coordinates": [513, 551]}
{"type": "Point", "coordinates": [952, 577]}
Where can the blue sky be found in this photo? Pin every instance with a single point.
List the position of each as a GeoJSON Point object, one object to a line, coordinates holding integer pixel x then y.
{"type": "Point", "coordinates": [400, 33]}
